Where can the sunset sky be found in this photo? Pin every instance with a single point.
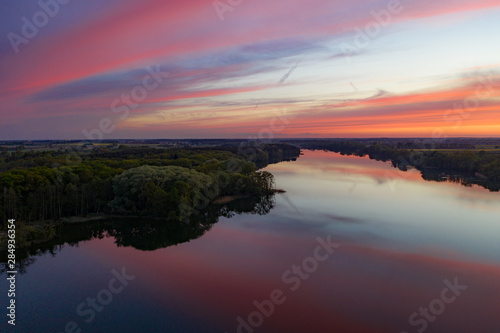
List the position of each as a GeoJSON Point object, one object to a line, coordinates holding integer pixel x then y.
{"type": "Point", "coordinates": [234, 69]}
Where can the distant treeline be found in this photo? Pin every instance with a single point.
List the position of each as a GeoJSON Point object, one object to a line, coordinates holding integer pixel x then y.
{"type": "Point", "coordinates": [172, 183]}
{"type": "Point", "coordinates": [469, 166]}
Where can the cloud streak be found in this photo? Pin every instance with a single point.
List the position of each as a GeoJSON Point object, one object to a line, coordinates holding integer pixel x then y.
{"type": "Point", "coordinates": [91, 52]}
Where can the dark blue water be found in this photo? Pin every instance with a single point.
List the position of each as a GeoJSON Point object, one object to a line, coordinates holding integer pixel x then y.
{"type": "Point", "coordinates": [405, 255]}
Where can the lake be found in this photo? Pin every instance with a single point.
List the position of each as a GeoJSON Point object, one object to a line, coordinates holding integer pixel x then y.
{"type": "Point", "coordinates": [354, 245]}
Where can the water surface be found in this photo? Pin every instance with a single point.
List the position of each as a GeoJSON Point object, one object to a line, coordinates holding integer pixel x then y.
{"type": "Point", "coordinates": [399, 238]}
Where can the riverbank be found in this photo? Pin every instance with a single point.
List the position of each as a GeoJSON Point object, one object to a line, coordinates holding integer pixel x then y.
{"type": "Point", "coordinates": [36, 232]}
{"type": "Point", "coordinates": [467, 166]}
{"type": "Point", "coordinates": [30, 234]}
{"type": "Point", "coordinates": [230, 198]}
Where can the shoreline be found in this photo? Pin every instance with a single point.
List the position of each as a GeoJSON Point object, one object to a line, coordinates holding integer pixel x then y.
{"type": "Point", "coordinates": [41, 231]}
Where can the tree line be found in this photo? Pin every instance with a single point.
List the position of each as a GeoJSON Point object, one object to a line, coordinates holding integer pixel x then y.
{"type": "Point", "coordinates": [471, 166]}
{"type": "Point", "coordinates": [131, 180]}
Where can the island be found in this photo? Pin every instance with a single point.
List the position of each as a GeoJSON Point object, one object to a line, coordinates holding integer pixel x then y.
{"type": "Point", "coordinates": [44, 188]}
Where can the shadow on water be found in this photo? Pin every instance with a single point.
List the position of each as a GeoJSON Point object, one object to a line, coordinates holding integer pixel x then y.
{"type": "Point", "coordinates": [141, 234]}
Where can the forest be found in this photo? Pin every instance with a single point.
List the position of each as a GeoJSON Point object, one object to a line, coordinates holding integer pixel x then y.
{"type": "Point", "coordinates": [173, 184]}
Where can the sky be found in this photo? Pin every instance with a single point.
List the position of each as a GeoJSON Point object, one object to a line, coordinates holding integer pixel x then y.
{"type": "Point", "coordinates": [118, 69]}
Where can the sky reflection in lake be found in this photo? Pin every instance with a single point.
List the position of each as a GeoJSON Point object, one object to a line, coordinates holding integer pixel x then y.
{"type": "Point", "coordinates": [398, 241]}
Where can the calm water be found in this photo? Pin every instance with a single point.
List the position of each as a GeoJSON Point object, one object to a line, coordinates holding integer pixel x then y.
{"type": "Point", "coordinates": [397, 239]}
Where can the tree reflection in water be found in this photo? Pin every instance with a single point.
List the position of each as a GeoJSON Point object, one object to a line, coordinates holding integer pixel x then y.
{"type": "Point", "coordinates": [141, 234]}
